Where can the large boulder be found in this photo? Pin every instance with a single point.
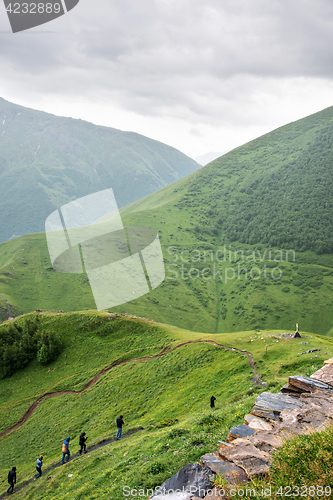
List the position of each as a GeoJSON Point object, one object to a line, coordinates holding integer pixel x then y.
{"type": "Point", "coordinates": [269, 406]}
{"type": "Point", "coordinates": [191, 480]}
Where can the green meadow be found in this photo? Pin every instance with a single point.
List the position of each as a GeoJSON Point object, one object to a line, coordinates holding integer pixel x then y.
{"type": "Point", "coordinates": [201, 292]}
{"type": "Point", "coordinates": [168, 396]}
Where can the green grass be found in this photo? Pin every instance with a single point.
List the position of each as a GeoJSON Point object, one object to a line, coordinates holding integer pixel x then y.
{"type": "Point", "coordinates": [168, 396]}
{"type": "Point", "coordinates": [303, 294]}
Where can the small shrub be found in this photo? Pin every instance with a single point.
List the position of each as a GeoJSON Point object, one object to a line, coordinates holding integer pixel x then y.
{"type": "Point", "coordinates": [166, 422]}
{"type": "Point", "coordinates": [157, 467]}
{"type": "Point", "coordinates": [177, 433]}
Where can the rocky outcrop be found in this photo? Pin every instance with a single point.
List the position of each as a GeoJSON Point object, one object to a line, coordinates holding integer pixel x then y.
{"type": "Point", "coordinates": [269, 406]}
{"type": "Point", "coordinates": [229, 470]}
{"type": "Point", "coordinates": [257, 424]}
{"type": "Point", "coordinates": [303, 406]}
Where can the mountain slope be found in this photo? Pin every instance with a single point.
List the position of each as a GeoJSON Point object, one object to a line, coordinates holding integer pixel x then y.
{"type": "Point", "coordinates": [165, 391]}
{"type": "Point", "coordinates": [275, 190]}
{"type": "Point", "coordinates": [47, 161]}
{"type": "Point", "coordinates": [265, 205]}
{"type": "Point", "coordinates": [214, 282]}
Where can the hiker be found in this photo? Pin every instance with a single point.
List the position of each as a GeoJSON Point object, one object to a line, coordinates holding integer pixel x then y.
{"type": "Point", "coordinates": [212, 401]}
{"type": "Point", "coordinates": [120, 423]}
{"type": "Point", "coordinates": [11, 480]}
{"type": "Point", "coordinates": [39, 466]}
{"type": "Point", "coordinates": [65, 450]}
{"type": "Point", "coordinates": [82, 442]}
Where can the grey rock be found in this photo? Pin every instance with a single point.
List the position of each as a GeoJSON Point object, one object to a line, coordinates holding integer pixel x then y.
{"type": "Point", "coordinates": [230, 471]}
{"type": "Point", "coordinates": [266, 441]}
{"type": "Point", "coordinates": [252, 460]}
{"type": "Point", "coordinates": [308, 384]}
{"type": "Point", "coordinates": [239, 432]}
{"type": "Point", "coordinates": [254, 466]}
{"type": "Point", "coordinates": [191, 480]}
{"type": "Point", "coordinates": [288, 389]}
{"type": "Point", "coordinates": [269, 406]}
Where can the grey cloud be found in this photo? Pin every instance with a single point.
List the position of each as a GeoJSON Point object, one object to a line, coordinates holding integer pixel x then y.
{"type": "Point", "coordinates": [189, 58]}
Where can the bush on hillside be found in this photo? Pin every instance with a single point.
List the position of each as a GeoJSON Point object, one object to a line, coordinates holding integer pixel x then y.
{"type": "Point", "coordinates": [19, 344]}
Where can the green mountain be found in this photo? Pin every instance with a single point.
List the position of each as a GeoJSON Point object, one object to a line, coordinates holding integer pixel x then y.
{"type": "Point", "coordinates": [159, 377]}
{"type": "Point", "coordinates": [270, 270]}
{"type": "Point", "coordinates": [47, 161]}
{"type": "Point", "coordinates": [265, 208]}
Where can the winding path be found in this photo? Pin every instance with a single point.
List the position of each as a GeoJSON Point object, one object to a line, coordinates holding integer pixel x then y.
{"type": "Point", "coordinates": [93, 381]}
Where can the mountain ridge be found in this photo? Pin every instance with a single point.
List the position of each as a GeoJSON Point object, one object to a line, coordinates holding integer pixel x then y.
{"type": "Point", "coordinates": [47, 161]}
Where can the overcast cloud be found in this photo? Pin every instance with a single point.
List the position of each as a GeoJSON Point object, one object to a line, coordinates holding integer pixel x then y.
{"type": "Point", "coordinates": [200, 76]}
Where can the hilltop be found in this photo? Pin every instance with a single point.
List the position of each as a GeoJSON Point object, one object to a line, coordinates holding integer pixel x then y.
{"type": "Point", "coordinates": [159, 377]}
{"type": "Point", "coordinates": [47, 161]}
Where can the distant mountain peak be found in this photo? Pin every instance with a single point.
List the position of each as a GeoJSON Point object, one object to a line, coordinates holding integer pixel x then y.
{"type": "Point", "coordinates": [47, 161]}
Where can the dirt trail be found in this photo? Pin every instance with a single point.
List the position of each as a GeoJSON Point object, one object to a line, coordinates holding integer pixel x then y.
{"type": "Point", "coordinates": [105, 442]}
{"type": "Point", "coordinates": [93, 381]}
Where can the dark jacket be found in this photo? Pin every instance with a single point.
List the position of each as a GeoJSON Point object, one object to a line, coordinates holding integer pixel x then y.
{"type": "Point", "coordinates": [120, 422]}
{"type": "Point", "coordinates": [82, 439]}
{"type": "Point", "coordinates": [12, 476]}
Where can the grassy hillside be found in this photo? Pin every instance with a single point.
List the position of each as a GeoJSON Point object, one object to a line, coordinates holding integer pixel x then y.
{"type": "Point", "coordinates": [265, 205]}
{"type": "Point", "coordinates": [47, 161]}
{"type": "Point", "coordinates": [214, 282]}
{"type": "Point", "coordinates": [167, 395]}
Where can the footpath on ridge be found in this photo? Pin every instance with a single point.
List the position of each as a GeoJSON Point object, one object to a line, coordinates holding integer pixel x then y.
{"type": "Point", "coordinates": [93, 381]}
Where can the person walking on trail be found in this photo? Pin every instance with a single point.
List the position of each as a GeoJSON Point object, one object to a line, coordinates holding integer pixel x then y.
{"type": "Point", "coordinates": [212, 401]}
{"type": "Point", "coordinates": [120, 423]}
{"type": "Point", "coordinates": [11, 480]}
{"type": "Point", "coordinates": [39, 466]}
{"type": "Point", "coordinates": [82, 442]}
{"type": "Point", "coordinates": [65, 450]}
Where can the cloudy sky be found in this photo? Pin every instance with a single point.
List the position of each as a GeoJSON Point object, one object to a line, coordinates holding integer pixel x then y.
{"type": "Point", "coordinates": [198, 75]}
